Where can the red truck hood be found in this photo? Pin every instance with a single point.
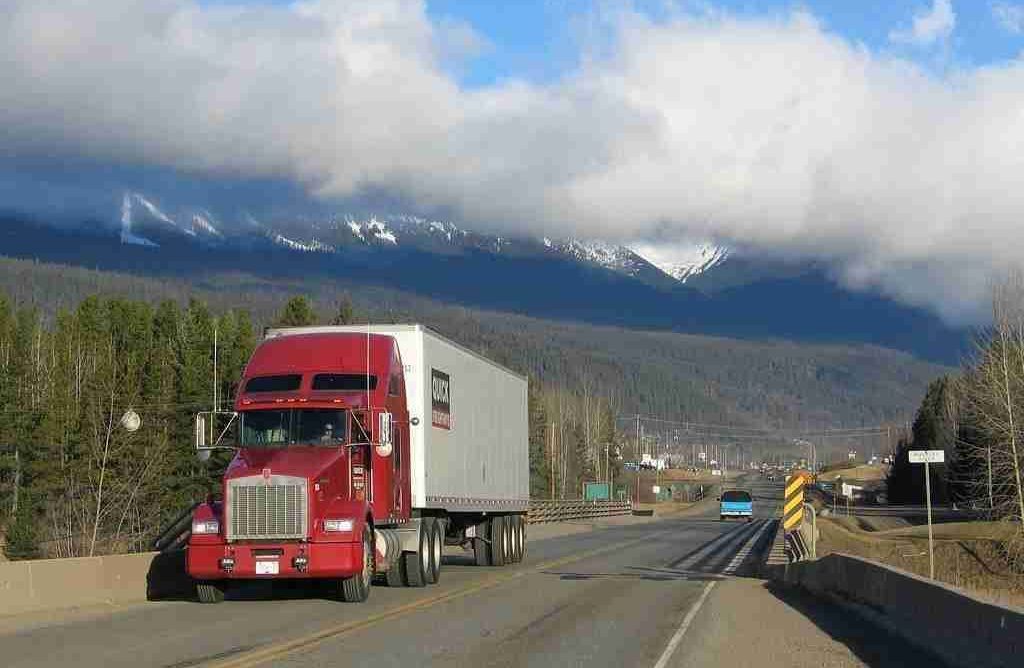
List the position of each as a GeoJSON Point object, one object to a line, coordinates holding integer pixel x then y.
{"type": "Point", "coordinates": [303, 461]}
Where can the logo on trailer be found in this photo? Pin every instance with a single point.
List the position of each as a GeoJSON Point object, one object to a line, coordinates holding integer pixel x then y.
{"type": "Point", "coordinates": [440, 399]}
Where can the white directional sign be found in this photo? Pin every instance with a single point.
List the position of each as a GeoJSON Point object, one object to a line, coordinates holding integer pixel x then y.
{"type": "Point", "coordinates": [927, 456]}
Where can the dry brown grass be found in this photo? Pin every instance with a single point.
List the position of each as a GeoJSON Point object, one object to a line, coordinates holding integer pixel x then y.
{"type": "Point", "coordinates": [969, 563]}
{"type": "Point", "coordinates": [863, 473]}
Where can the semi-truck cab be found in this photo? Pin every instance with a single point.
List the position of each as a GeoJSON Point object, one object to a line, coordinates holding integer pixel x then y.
{"type": "Point", "coordinates": [328, 482]}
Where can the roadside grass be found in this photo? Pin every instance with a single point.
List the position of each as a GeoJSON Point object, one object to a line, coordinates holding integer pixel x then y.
{"type": "Point", "coordinates": [863, 473]}
{"type": "Point", "coordinates": [966, 554]}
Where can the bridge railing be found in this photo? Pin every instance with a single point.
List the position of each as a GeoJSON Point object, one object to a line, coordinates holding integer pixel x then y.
{"type": "Point", "coordinates": [563, 510]}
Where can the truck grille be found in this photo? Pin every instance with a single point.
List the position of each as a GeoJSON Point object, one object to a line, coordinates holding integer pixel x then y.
{"type": "Point", "coordinates": [259, 508]}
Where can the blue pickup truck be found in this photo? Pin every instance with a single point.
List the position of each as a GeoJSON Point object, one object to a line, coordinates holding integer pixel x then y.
{"type": "Point", "coordinates": [736, 503]}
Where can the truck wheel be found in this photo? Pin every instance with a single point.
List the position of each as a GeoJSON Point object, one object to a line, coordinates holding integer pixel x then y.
{"type": "Point", "coordinates": [396, 576]}
{"type": "Point", "coordinates": [436, 551]}
{"type": "Point", "coordinates": [210, 591]}
{"type": "Point", "coordinates": [356, 589]}
{"type": "Point", "coordinates": [498, 547]}
{"type": "Point", "coordinates": [417, 564]}
{"type": "Point", "coordinates": [481, 549]}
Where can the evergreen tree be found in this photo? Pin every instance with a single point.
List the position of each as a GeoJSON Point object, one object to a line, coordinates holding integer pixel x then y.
{"type": "Point", "coordinates": [296, 313]}
{"type": "Point", "coordinates": [933, 429]}
{"type": "Point", "coordinates": [540, 475]}
{"type": "Point", "coordinates": [345, 313]}
{"type": "Point", "coordinates": [583, 465]}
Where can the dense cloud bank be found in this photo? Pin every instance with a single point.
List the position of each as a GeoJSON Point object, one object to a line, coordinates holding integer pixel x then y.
{"type": "Point", "coordinates": [771, 133]}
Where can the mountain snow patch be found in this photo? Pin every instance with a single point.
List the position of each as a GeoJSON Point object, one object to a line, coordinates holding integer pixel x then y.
{"type": "Point", "coordinates": [683, 261]}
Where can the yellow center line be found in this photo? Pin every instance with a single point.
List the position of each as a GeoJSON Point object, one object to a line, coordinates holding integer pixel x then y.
{"type": "Point", "coordinates": [286, 647]}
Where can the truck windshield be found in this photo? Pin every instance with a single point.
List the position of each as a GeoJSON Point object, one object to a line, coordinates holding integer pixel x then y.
{"type": "Point", "coordinates": [736, 496]}
{"type": "Point", "coordinates": [305, 426]}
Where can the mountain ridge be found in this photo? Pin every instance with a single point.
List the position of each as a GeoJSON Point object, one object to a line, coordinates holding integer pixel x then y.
{"type": "Point", "coordinates": [529, 277]}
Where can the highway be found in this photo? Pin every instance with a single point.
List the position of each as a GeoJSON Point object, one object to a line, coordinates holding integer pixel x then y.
{"type": "Point", "coordinates": [667, 592]}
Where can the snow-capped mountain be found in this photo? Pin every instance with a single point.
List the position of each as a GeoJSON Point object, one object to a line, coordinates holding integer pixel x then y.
{"type": "Point", "coordinates": [684, 261]}
{"type": "Point", "coordinates": [144, 222]}
{"type": "Point", "coordinates": [732, 294]}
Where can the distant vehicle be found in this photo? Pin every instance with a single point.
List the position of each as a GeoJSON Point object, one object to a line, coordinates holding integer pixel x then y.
{"type": "Point", "coordinates": [736, 503]}
{"type": "Point", "coordinates": [771, 477]}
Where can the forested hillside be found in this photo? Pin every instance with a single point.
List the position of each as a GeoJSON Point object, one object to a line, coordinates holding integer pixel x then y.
{"type": "Point", "coordinates": [79, 348]}
{"type": "Point", "coordinates": [771, 383]}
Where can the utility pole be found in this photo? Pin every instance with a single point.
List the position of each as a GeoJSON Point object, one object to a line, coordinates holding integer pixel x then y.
{"type": "Point", "coordinates": [991, 498]}
{"type": "Point", "coordinates": [928, 497]}
{"type": "Point", "coordinates": [638, 448]}
{"type": "Point", "coordinates": [551, 450]}
{"type": "Point", "coordinates": [17, 480]}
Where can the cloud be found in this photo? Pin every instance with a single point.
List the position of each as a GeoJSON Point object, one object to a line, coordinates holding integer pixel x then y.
{"type": "Point", "coordinates": [929, 26]}
{"type": "Point", "coordinates": [772, 133]}
{"type": "Point", "coordinates": [1009, 16]}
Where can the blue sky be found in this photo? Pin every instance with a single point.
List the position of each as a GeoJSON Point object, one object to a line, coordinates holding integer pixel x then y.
{"type": "Point", "coordinates": [539, 40]}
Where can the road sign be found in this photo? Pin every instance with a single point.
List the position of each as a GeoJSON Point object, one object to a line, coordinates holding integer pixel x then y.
{"type": "Point", "coordinates": [927, 457]}
{"type": "Point", "coordinates": [702, 456]}
{"type": "Point", "coordinates": [848, 490]}
{"type": "Point", "coordinates": [793, 510]}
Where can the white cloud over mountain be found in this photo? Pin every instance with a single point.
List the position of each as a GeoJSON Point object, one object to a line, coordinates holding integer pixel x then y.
{"type": "Point", "coordinates": [772, 133]}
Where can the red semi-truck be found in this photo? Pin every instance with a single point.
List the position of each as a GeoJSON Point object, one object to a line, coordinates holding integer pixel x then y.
{"type": "Point", "coordinates": [362, 451]}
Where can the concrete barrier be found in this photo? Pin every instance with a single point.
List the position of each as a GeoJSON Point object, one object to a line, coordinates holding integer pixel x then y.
{"type": "Point", "coordinates": [960, 628]}
{"type": "Point", "coordinates": [51, 584]}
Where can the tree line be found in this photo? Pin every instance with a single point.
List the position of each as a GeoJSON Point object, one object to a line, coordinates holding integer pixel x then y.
{"type": "Point", "coordinates": [977, 418]}
{"type": "Point", "coordinates": [79, 476]}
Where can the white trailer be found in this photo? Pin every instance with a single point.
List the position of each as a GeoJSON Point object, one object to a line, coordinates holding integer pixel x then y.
{"type": "Point", "coordinates": [469, 450]}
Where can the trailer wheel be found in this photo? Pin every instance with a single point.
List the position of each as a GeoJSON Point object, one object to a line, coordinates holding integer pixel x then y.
{"type": "Point", "coordinates": [210, 591]}
{"type": "Point", "coordinates": [417, 564]}
{"type": "Point", "coordinates": [436, 551]}
{"type": "Point", "coordinates": [356, 589]}
{"type": "Point", "coordinates": [498, 544]}
{"type": "Point", "coordinates": [518, 538]}
{"type": "Point", "coordinates": [481, 548]}
{"type": "Point", "coordinates": [510, 539]}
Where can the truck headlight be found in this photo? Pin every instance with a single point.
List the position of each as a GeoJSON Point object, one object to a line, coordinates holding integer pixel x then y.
{"type": "Point", "coordinates": [205, 527]}
{"type": "Point", "coordinates": [339, 525]}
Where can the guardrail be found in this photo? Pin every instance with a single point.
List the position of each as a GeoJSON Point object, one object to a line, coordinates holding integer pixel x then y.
{"type": "Point", "coordinates": [560, 511]}
{"type": "Point", "coordinates": [952, 623]}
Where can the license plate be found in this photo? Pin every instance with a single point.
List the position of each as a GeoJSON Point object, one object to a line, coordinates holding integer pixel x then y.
{"type": "Point", "coordinates": [267, 568]}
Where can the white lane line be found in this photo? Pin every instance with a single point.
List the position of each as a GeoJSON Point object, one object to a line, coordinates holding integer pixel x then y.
{"type": "Point", "coordinates": [681, 631]}
{"type": "Point", "coordinates": [711, 546]}
{"type": "Point", "coordinates": [716, 555]}
{"type": "Point", "coordinates": [747, 547]}
{"type": "Point", "coordinates": [717, 562]}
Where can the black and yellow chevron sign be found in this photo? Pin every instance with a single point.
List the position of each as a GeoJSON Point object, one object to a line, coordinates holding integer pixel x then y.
{"type": "Point", "coordinates": [793, 509]}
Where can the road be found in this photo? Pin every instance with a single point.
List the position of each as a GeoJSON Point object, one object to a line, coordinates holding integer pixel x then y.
{"type": "Point", "coordinates": [663, 593]}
